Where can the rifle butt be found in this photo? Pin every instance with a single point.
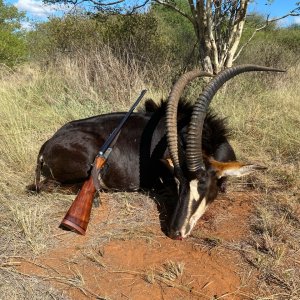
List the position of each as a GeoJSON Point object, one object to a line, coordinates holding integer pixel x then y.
{"type": "Point", "coordinates": [78, 215]}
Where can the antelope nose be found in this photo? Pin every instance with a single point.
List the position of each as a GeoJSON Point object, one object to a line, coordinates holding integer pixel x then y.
{"type": "Point", "coordinates": [175, 235]}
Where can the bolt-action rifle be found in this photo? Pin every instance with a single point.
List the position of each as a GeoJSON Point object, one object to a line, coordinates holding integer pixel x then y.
{"type": "Point", "coordinates": [78, 215]}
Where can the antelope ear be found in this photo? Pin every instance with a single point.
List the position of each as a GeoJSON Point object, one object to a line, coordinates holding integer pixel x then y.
{"type": "Point", "coordinates": [234, 168]}
{"type": "Point", "coordinates": [168, 163]}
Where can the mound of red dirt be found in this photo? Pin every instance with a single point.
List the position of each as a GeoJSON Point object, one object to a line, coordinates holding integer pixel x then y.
{"type": "Point", "coordinates": [117, 261]}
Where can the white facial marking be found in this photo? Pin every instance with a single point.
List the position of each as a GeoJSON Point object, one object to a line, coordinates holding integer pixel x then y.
{"type": "Point", "coordinates": [199, 213]}
{"type": "Point", "coordinates": [192, 218]}
{"type": "Point", "coordinates": [194, 194]}
{"type": "Point", "coordinates": [196, 216]}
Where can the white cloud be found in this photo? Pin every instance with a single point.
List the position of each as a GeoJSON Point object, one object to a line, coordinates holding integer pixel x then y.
{"type": "Point", "coordinates": [38, 9]}
{"type": "Point", "coordinates": [27, 25]}
{"type": "Point", "coordinates": [296, 20]}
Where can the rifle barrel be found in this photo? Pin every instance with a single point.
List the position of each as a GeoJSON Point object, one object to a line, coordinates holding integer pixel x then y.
{"type": "Point", "coordinates": [117, 129]}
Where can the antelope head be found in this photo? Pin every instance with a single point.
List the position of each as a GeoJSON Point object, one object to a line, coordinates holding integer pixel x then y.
{"type": "Point", "coordinates": [195, 173]}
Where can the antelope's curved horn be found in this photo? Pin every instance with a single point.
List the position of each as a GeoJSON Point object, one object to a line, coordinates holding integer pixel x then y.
{"type": "Point", "coordinates": [171, 113]}
{"type": "Point", "coordinates": [194, 139]}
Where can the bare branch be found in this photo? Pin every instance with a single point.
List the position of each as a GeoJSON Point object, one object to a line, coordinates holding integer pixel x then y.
{"type": "Point", "coordinates": [231, 31]}
{"type": "Point", "coordinates": [174, 7]}
{"type": "Point", "coordinates": [135, 8]}
{"type": "Point", "coordinates": [291, 13]}
{"type": "Point", "coordinates": [106, 4]}
{"type": "Point", "coordinates": [95, 2]}
{"type": "Point", "coordinates": [201, 20]}
{"type": "Point", "coordinates": [236, 33]}
{"type": "Point", "coordinates": [210, 31]}
{"type": "Point", "coordinates": [192, 8]}
{"type": "Point", "coordinates": [249, 40]}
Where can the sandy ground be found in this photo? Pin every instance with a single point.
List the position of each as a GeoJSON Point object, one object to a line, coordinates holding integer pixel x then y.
{"type": "Point", "coordinates": [125, 255]}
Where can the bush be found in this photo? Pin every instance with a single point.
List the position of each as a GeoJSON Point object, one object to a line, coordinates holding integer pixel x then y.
{"type": "Point", "coordinates": [277, 48]}
{"type": "Point", "coordinates": [12, 43]}
{"type": "Point", "coordinates": [152, 38]}
{"type": "Point", "coordinates": [62, 36]}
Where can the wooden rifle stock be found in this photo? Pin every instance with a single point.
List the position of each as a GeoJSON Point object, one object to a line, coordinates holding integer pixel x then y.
{"type": "Point", "coordinates": [78, 215]}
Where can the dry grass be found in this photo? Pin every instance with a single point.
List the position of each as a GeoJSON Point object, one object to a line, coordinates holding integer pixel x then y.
{"type": "Point", "coordinates": [264, 115]}
{"type": "Point", "coordinates": [34, 103]}
{"type": "Point", "coordinates": [168, 272]}
{"type": "Point", "coordinates": [265, 120]}
{"type": "Point", "coordinates": [274, 249]}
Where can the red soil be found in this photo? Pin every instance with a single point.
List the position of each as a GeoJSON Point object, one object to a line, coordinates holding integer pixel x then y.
{"type": "Point", "coordinates": [117, 266]}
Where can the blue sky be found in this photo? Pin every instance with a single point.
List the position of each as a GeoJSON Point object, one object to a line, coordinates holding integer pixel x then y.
{"type": "Point", "coordinates": [36, 10]}
{"type": "Point", "coordinates": [276, 9]}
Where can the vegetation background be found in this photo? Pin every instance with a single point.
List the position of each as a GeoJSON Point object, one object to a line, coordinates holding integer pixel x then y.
{"type": "Point", "coordinates": [82, 65]}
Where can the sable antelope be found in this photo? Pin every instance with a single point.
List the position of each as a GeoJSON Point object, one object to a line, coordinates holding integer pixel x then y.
{"type": "Point", "coordinates": [194, 138]}
{"type": "Point", "coordinates": [198, 171]}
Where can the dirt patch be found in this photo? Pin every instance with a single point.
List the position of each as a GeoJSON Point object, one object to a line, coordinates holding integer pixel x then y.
{"type": "Point", "coordinates": [126, 256]}
{"type": "Point", "coordinates": [227, 216]}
